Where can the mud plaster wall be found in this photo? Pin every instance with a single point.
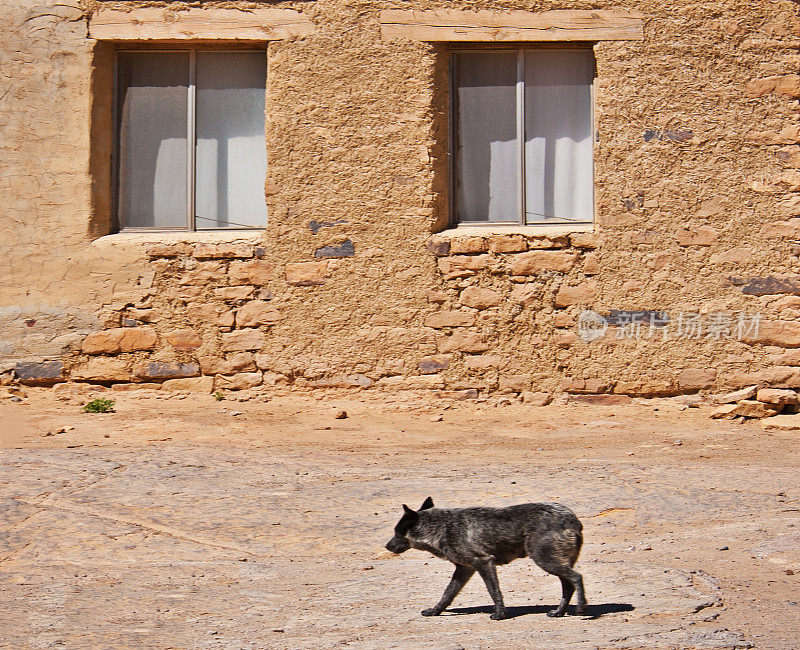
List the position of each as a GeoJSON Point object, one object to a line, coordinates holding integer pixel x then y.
{"type": "Point", "coordinates": [697, 210]}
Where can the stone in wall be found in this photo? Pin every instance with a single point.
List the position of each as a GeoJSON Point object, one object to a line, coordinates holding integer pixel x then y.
{"type": "Point", "coordinates": [450, 319]}
{"type": "Point", "coordinates": [243, 340]}
{"type": "Point", "coordinates": [121, 339]}
{"type": "Point", "coordinates": [257, 312]}
{"type": "Point", "coordinates": [34, 372]}
{"type": "Point", "coordinates": [161, 370]}
{"type": "Point", "coordinates": [534, 262]}
{"type": "Point", "coordinates": [183, 339]}
{"type": "Point", "coordinates": [306, 273]}
{"type": "Point", "coordinates": [479, 298]}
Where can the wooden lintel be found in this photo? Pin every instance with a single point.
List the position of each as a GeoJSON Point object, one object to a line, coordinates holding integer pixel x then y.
{"type": "Point", "coordinates": [154, 24]}
{"type": "Point", "coordinates": [491, 26]}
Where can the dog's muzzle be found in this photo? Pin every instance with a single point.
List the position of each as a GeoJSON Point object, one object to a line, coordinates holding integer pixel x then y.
{"type": "Point", "coordinates": [397, 546]}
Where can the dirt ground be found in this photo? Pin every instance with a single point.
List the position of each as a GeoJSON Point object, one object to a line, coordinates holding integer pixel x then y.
{"type": "Point", "coordinates": [186, 522]}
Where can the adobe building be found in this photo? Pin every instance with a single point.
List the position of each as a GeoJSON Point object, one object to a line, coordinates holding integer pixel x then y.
{"type": "Point", "coordinates": [496, 195]}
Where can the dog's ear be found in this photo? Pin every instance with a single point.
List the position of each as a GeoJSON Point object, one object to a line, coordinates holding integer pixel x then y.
{"type": "Point", "coordinates": [409, 511]}
{"type": "Point", "coordinates": [428, 503]}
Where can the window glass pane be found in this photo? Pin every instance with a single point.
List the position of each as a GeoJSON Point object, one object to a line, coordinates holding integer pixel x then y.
{"type": "Point", "coordinates": [487, 152]}
{"type": "Point", "coordinates": [152, 139]}
{"type": "Point", "coordinates": [231, 165]}
{"type": "Point", "coordinates": [558, 136]}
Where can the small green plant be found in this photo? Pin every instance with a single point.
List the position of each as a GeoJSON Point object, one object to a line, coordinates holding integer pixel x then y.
{"type": "Point", "coordinates": [99, 405]}
{"type": "Point", "coordinates": [219, 396]}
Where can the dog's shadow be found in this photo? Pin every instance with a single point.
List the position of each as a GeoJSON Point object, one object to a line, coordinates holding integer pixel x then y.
{"type": "Point", "coordinates": [592, 611]}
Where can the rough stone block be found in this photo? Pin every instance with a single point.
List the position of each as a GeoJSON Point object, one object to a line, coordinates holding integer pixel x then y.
{"type": "Point", "coordinates": [697, 378]}
{"type": "Point", "coordinates": [508, 244]}
{"type": "Point", "coordinates": [101, 369]}
{"type": "Point", "coordinates": [583, 293]}
{"type": "Point", "coordinates": [243, 340]}
{"type": "Point", "coordinates": [752, 409]}
{"type": "Point", "coordinates": [514, 383]}
{"type": "Point", "coordinates": [306, 273]}
{"type": "Point", "coordinates": [587, 240]}
{"type": "Point", "coordinates": [461, 341]}
{"type": "Point", "coordinates": [790, 422]}
{"type": "Point", "coordinates": [736, 255]}
{"type": "Point", "coordinates": [787, 228]}
{"type": "Point", "coordinates": [437, 297]}
{"type": "Point", "coordinates": [120, 339]}
{"type": "Point", "coordinates": [257, 272]}
{"type": "Point", "coordinates": [601, 399]}
{"type": "Point", "coordinates": [35, 372]}
{"type": "Point", "coordinates": [533, 398]}
{"type": "Point", "coordinates": [788, 85]}
{"type": "Point", "coordinates": [461, 263]}
{"type": "Point", "coordinates": [468, 245]}
{"type": "Point", "coordinates": [241, 292]}
{"type": "Point", "coordinates": [205, 273]}
{"type": "Point", "coordinates": [479, 298]}
{"type": "Point", "coordinates": [257, 312]}
{"type": "Point", "coordinates": [439, 247]}
{"type": "Point", "coordinates": [529, 294]}
{"type": "Point", "coordinates": [543, 242]}
{"type": "Point", "coordinates": [183, 339]}
{"type": "Point", "coordinates": [450, 319]}
{"type": "Point", "coordinates": [700, 236]}
{"type": "Point", "coordinates": [213, 313]}
{"type": "Point", "coordinates": [724, 411]}
{"type": "Point", "coordinates": [777, 396]}
{"type": "Point", "coordinates": [164, 370]}
{"type": "Point", "coordinates": [785, 334]}
{"type": "Point", "coordinates": [771, 285]}
{"type": "Point", "coordinates": [430, 365]}
{"type": "Point", "coordinates": [336, 251]}
{"type": "Point", "coordinates": [239, 381]}
{"type": "Point", "coordinates": [222, 251]}
{"type": "Point", "coordinates": [536, 261]}
{"type": "Point", "coordinates": [168, 250]}
{"type": "Point", "coordinates": [482, 361]}
{"type": "Point", "coordinates": [587, 385]}
{"type": "Point", "coordinates": [190, 384]}
{"type": "Point", "coordinates": [737, 395]}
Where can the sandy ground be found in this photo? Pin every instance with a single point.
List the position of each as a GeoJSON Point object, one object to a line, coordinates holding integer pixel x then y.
{"type": "Point", "coordinates": [190, 523]}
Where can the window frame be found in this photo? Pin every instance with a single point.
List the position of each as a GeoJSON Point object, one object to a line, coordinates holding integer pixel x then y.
{"type": "Point", "coordinates": [453, 181]}
{"type": "Point", "coordinates": [191, 130]}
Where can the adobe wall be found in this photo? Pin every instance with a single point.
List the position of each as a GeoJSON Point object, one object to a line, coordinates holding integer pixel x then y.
{"type": "Point", "coordinates": [698, 210]}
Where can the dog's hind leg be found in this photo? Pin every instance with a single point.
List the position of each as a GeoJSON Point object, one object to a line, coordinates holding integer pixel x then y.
{"type": "Point", "coordinates": [461, 576]}
{"type": "Point", "coordinates": [489, 574]}
{"type": "Point", "coordinates": [556, 556]}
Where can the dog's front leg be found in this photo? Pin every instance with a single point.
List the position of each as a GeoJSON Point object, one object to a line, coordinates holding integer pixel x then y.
{"type": "Point", "coordinates": [489, 574]}
{"type": "Point", "coordinates": [461, 576]}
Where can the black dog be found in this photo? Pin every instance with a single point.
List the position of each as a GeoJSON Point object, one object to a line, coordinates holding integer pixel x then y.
{"type": "Point", "coordinates": [479, 539]}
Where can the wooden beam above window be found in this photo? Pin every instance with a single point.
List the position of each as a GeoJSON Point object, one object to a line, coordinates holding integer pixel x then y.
{"type": "Point", "coordinates": [491, 26]}
{"type": "Point", "coordinates": [154, 24]}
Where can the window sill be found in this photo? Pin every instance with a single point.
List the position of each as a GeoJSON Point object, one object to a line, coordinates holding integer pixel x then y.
{"type": "Point", "coordinates": [253, 236]}
{"type": "Point", "coordinates": [529, 231]}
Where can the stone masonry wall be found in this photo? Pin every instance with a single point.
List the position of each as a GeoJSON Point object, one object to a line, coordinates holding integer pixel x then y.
{"type": "Point", "coordinates": [352, 284]}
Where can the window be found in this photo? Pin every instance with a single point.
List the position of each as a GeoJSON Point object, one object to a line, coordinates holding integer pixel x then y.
{"type": "Point", "coordinates": [191, 148]}
{"type": "Point", "coordinates": [522, 136]}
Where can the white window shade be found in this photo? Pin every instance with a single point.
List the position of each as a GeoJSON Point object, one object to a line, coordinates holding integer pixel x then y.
{"type": "Point", "coordinates": [487, 149]}
{"type": "Point", "coordinates": [558, 136]}
{"type": "Point", "coordinates": [152, 139]}
{"type": "Point", "coordinates": [523, 113]}
{"type": "Point", "coordinates": [231, 158]}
